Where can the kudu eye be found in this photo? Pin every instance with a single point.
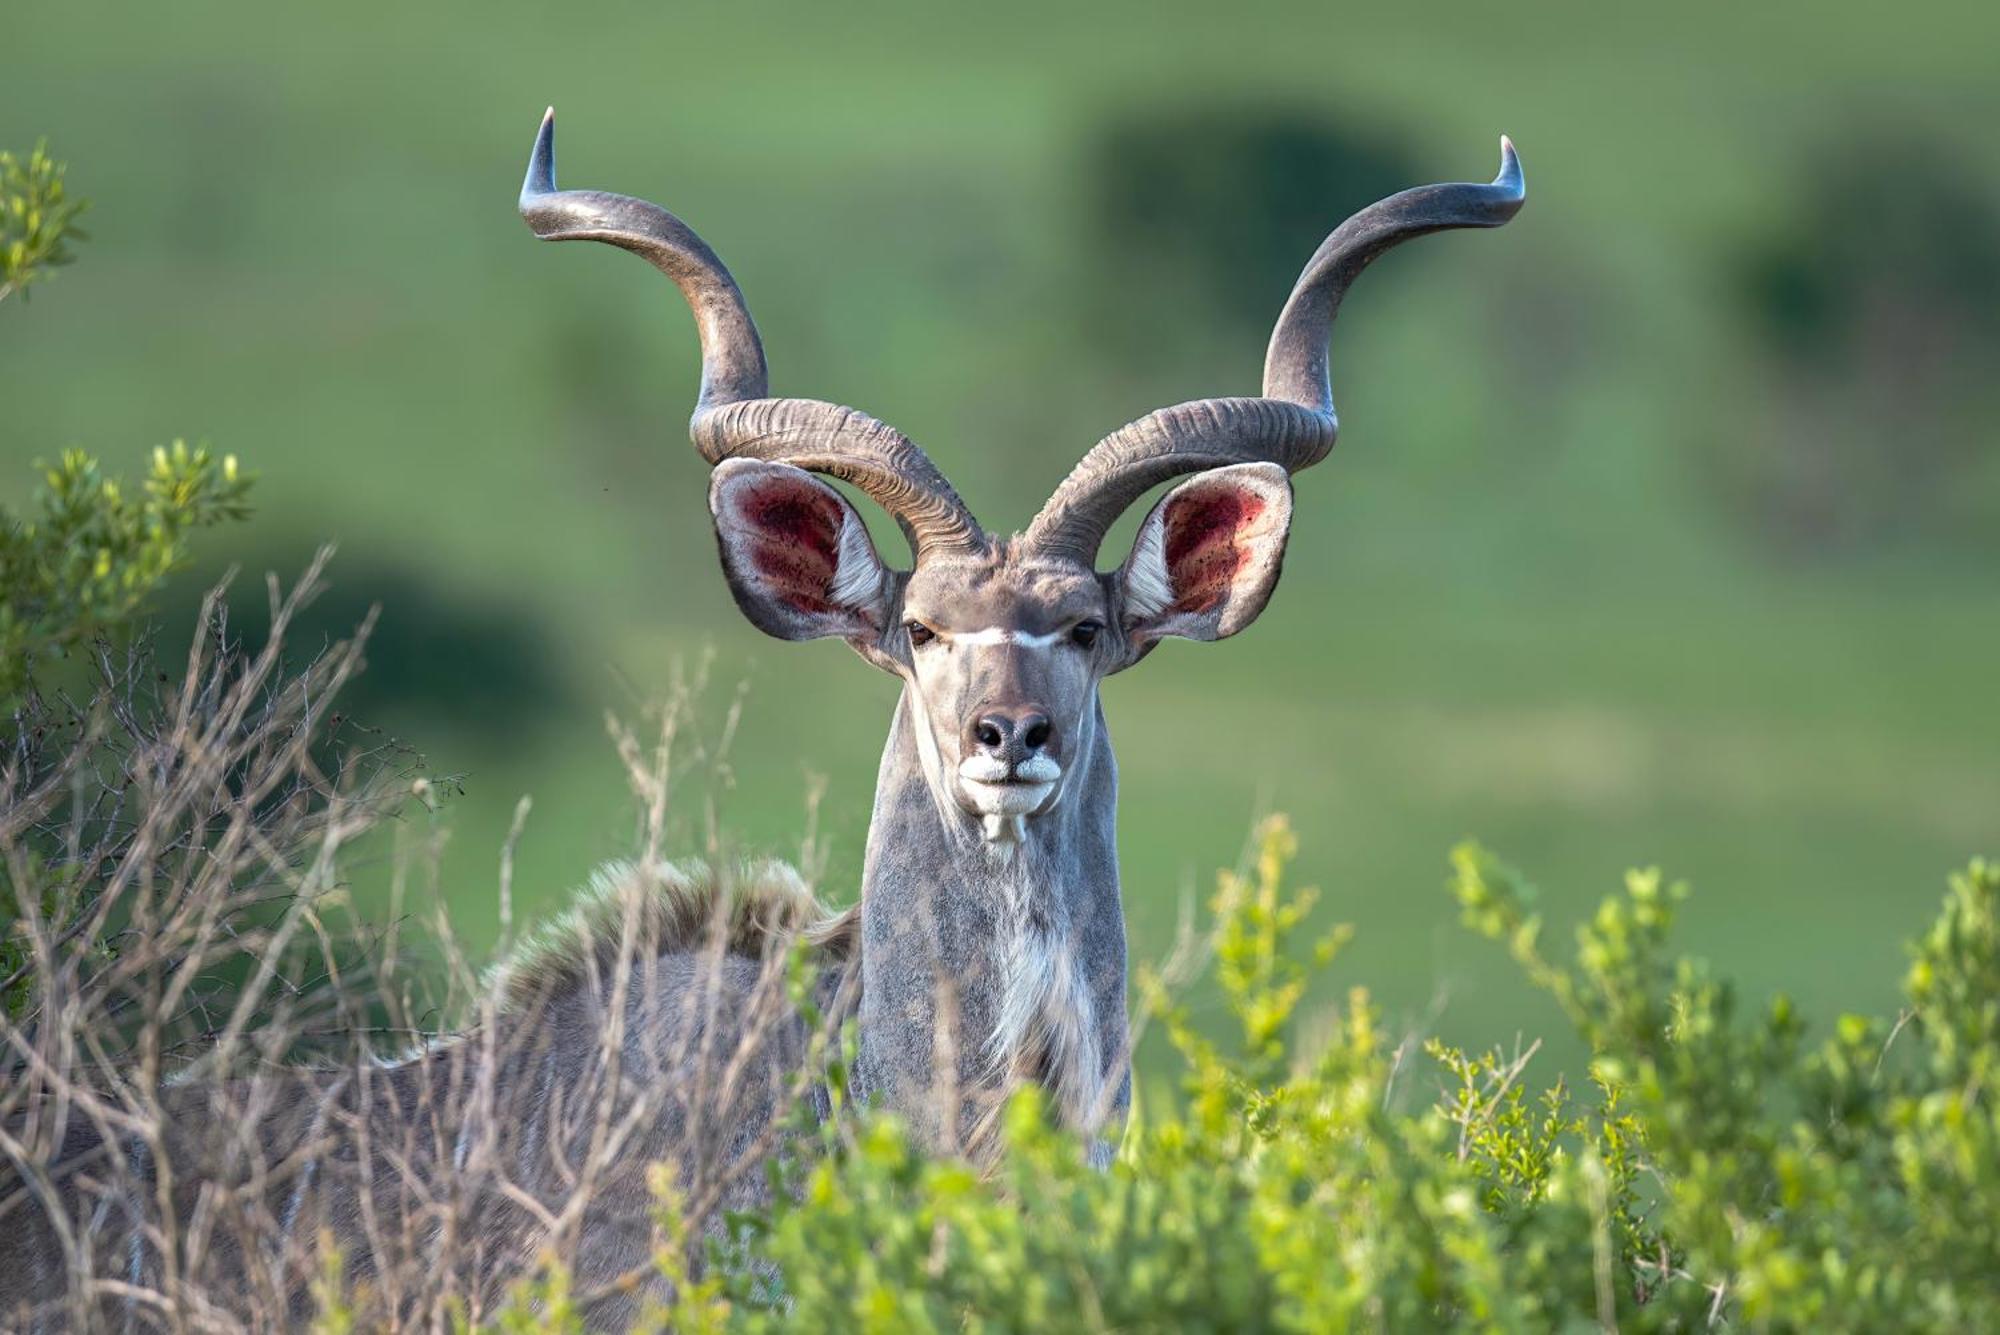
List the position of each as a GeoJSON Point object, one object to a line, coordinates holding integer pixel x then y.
{"type": "Point", "coordinates": [920, 634]}
{"type": "Point", "coordinates": [1084, 634]}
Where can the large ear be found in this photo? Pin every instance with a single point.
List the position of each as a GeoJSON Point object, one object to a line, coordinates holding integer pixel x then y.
{"type": "Point", "coordinates": [1208, 556]}
{"type": "Point", "coordinates": [797, 557]}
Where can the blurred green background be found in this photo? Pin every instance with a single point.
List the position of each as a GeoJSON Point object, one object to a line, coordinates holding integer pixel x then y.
{"type": "Point", "coordinates": [1665, 526]}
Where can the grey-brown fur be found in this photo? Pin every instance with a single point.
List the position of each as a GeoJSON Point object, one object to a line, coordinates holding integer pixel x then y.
{"type": "Point", "coordinates": [667, 908]}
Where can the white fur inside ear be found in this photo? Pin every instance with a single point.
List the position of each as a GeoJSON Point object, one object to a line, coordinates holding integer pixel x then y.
{"type": "Point", "coordinates": [857, 574]}
{"type": "Point", "coordinates": [1148, 591]}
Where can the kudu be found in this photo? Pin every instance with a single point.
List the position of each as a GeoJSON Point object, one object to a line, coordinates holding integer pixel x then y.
{"type": "Point", "coordinates": [988, 946]}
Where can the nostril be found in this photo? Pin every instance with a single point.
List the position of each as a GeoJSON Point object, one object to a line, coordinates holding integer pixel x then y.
{"type": "Point", "coordinates": [988, 734]}
{"type": "Point", "coordinates": [1036, 734]}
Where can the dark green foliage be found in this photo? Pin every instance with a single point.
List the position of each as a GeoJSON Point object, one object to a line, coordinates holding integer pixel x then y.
{"type": "Point", "coordinates": [1877, 300]}
{"type": "Point", "coordinates": [422, 651]}
{"type": "Point", "coordinates": [1199, 217]}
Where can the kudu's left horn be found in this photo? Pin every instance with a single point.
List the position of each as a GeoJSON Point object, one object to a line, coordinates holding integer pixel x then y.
{"type": "Point", "coordinates": [735, 418]}
{"type": "Point", "coordinates": [1293, 423]}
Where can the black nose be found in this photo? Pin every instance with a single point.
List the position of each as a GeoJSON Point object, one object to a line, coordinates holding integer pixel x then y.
{"type": "Point", "coordinates": [1009, 734]}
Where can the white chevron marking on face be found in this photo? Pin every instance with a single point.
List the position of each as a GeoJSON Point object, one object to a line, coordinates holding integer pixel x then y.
{"type": "Point", "coordinates": [999, 635]}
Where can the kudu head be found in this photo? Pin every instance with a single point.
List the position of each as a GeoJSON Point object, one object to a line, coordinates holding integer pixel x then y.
{"type": "Point", "coordinates": [1001, 641]}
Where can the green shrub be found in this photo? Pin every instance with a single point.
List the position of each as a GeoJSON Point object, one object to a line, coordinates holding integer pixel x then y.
{"type": "Point", "coordinates": [1715, 1167]}
{"type": "Point", "coordinates": [91, 551]}
{"type": "Point", "coordinates": [37, 220]}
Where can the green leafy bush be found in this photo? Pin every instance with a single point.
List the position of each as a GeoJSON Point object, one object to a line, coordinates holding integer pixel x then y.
{"type": "Point", "coordinates": [91, 552]}
{"type": "Point", "coordinates": [1715, 1167]}
{"type": "Point", "coordinates": [37, 220]}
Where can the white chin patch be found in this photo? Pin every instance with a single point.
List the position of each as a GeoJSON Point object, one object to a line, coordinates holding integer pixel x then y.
{"type": "Point", "coordinates": [1006, 795]}
{"type": "Point", "coordinates": [1005, 799]}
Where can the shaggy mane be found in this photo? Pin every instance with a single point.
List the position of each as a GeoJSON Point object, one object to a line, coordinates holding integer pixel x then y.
{"type": "Point", "coordinates": [642, 911]}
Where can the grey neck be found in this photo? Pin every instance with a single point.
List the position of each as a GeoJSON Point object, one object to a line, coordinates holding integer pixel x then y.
{"type": "Point", "coordinates": [984, 964]}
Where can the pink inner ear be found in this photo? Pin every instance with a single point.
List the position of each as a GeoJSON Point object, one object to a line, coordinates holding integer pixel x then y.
{"type": "Point", "coordinates": [791, 535]}
{"type": "Point", "coordinates": [1206, 544]}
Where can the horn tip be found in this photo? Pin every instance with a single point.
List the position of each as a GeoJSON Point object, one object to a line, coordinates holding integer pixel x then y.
{"type": "Point", "coordinates": [541, 179]}
{"type": "Point", "coordinates": [1510, 167]}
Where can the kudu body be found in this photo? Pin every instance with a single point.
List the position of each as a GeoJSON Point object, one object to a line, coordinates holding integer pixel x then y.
{"type": "Point", "coordinates": [989, 944]}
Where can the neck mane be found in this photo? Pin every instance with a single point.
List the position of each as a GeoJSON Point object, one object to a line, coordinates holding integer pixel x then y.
{"type": "Point", "coordinates": [988, 963]}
